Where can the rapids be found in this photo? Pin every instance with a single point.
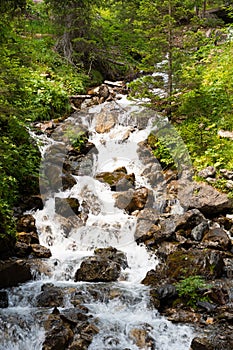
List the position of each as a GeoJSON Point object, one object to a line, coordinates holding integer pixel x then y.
{"type": "Point", "coordinates": [117, 318]}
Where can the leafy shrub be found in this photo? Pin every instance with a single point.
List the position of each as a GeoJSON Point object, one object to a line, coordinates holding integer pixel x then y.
{"type": "Point", "coordinates": [191, 289]}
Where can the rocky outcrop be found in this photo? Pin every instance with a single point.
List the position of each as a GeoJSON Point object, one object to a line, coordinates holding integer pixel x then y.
{"type": "Point", "coordinates": [104, 266]}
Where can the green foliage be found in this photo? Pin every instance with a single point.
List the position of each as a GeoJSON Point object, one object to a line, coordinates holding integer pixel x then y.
{"type": "Point", "coordinates": [207, 108]}
{"type": "Point", "coordinates": [191, 290]}
{"type": "Point", "coordinates": [35, 83]}
{"type": "Point", "coordinates": [78, 140]}
{"type": "Point", "coordinates": [161, 151]}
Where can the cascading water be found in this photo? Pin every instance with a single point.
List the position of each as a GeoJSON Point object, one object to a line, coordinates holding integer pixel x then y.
{"type": "Point", "coordinates": [121, 309]}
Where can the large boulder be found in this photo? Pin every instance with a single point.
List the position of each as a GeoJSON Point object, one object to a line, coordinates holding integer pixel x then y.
{"type": "Point", "coordinates": [113, 254]}
{"type": "Point", "coordinates": [97, 269]}
{"type": "Point", "coordinates": [104, 266]}
{"type": "Point", "coordinates": [13, 272]}
{"type": "Point", "coordinates": [203, 197]}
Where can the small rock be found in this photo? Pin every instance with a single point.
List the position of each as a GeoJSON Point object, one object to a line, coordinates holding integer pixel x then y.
{"type": "Point", "coordinates": [210, 171]}
{"type": "Point", "coordinates": [227, 174]}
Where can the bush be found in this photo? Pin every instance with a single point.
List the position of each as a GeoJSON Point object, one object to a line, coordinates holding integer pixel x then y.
{"type": "Point", "coordinates": [191, 290]}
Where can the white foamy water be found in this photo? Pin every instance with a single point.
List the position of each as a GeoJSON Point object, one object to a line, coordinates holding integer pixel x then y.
{"type": "Point", "coordinates": [121, 318]}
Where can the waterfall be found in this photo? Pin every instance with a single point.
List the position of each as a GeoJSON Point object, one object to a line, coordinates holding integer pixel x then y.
{"type": "Point", "coordinates": [122, 308]}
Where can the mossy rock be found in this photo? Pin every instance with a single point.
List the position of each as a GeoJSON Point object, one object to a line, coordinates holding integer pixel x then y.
{"type": "Point", "coordinates": [207, 263]}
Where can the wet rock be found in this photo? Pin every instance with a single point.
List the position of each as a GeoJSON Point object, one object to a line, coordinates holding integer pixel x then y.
{"type": "Point", "coordinates": [68, 181]}
{"type": "Point", "coordinates": [74, 316]}
{"type": "Point", "coordinates": [3, 299]}
{"type": "Point", "coordinates": [221, 338]}
{"type": "Point", "coordinates": [83, 165]}
{"type": "Point", "coordinates": [203, 197]}
{"type": "Point", "coordinates": [112, 254]}
{"type": "Point", "coordinates": [50, 296]}
{"type": "Point", "coordinates": [98, 269]}
{"type": "Point", "coordinates": [79, 344]}
{"type": "Point", "coordinates": [104, 91]}
{"type": "Point", "coordinates": [134, 200]}
{"type": "Point", "coordinates": [28, 237]}
{"type": "Point", "coordinates": [67, 206]}
{"type": "Point", "coordinates": [22, 249]}
{"type": "Point", "coordinates": [58, 334]}
{"type": "Point", "coordinates": [83, 337]}
{"type": "Point", "coordinates": [153, 278]}
{"type": "Point", "coordinates": [13, 272]}
{"type": "Point", "coordinates": [39, 267]}
{"type": "Point", "coordinates": [142, 339]}
{"type": "Point", "coordinates": [105, 121]}
{"type": "Point", "coordinates": [104, 266]}
{"type": "Point", "coordinates": [217, 237]}
{"type": "Point", "coordinates": [118, 180]}
{"type": "Point", "coordinates": [201, 344]}
{"type": "Point", "coordinates": [209, 171]}
{"type": "Point", "coordinates": [33, 203]}
{"type": "Point", "coordinates": [26, 223]}
{"type": "Point", "coordinates": [40, 251]}
{"type": "Point", "coordinates": [153, 173]}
